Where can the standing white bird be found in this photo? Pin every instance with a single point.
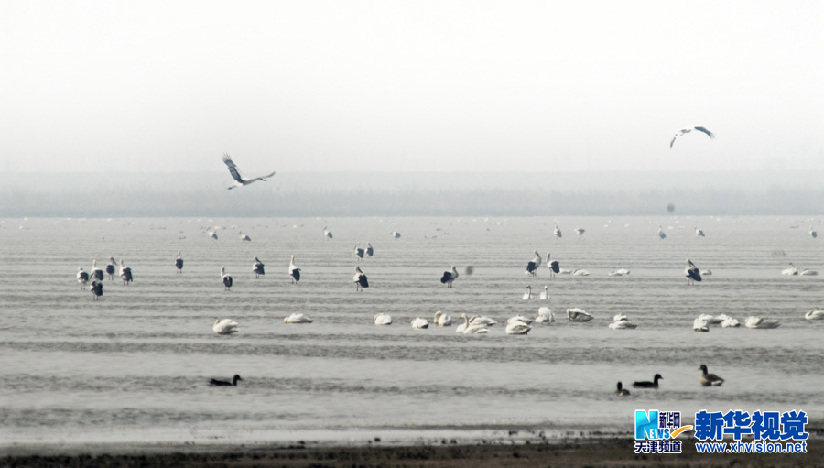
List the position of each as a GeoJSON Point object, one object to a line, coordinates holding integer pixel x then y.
{"type": "Point", "coordinates": [382, 318]}
{"type": "Point", "coordinates": [111, 266]}
{"type": "Point", "coordinates": [294, 271]}
{"type": "Point", "coordinates": [692, 272]}
{"type": "Point", "coordinates": [557, 232]}
{"type": "Point", "coordinates": [449, 276]}
{"type": "Point", "coordinates": [553, 266]}
{"type": "Point", "coordinates": [224, 326]}
{"type": "Point", "coordinates": [178, 262]}
{"type": "Point", "coordinates": [812, 232]}
{"type": "Point", "coordinates": [699, 232]}
{"type": "Point", "coordinates": [227, 280]}
{"type": "Point", "coordinates": [528, 293]}
{"type": "Point", "coordinates": [661, 233]}
{"type": "Point", "coordinates": [532, 265]}
{"type": "Point", "coordinates": [239, 180]}
{"type": "Point", "coordinates": [125, 273]}
{"type": "Point", "coordinates": [82, 278]}
{"type": "Point", "coordinates": [684, 131]}
{"type": "Point", "coordinates": [97, 272]}
{"type": "Point", "coordinates": [259, 268]}
{"type": "Point", "coordinates": [360, 280]}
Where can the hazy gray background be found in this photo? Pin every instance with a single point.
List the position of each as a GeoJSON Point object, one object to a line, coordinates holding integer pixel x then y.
{"type": "Point", "coordinates": [549, 90]}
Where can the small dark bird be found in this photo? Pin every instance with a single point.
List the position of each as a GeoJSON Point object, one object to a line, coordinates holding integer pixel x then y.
{"type": "Point", "coordinates": [258, 268]}
{"type": "Point", "coordinates": [97, 289]}
{"type": "Point", "coordinates": [449, 276]}
{"type": "Point", "coordinates": [224, 383]}
{"type": "Point", "coordinates": [179, 263]}
{"type": "Point", "coordinates": [647, 383]}
{"type": "Point", "coordinates": [708, 379]}
{"type": "Point", "coordinates": [360, 280]}
{"type": "Point", "coordinates": [226, 279]}
{"type": "Point", "coordinates": [620, 390]}
{"type": "Point", "coordinates": [691, 272]}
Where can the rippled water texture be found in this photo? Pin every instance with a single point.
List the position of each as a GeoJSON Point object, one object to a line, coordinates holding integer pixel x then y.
{"type": "Point", "coordinates": [135, 365]}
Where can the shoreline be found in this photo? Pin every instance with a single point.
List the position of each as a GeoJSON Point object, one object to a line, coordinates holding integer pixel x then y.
{"type": "Point", "coordinates": [498, 452]}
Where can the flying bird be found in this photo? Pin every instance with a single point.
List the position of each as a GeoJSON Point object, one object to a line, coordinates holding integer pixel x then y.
{"type": "Point", "coordinates": [239, 180]}
{"type": "Point", "coordinates": [684, 131]}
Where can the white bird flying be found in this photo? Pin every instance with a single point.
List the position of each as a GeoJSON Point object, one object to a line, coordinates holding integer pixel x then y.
{"type": "Point", "coordinates": [239, 180]}
{"type": "Point", "coordinates": [684, 131]}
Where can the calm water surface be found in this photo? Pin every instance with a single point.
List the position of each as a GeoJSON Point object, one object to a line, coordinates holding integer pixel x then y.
{"type": "Point", "coordinates": [135, 365]}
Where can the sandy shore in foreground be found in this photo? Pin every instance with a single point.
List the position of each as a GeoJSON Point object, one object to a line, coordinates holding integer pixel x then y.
{"type": "Point", "coordinates": [590, 452]}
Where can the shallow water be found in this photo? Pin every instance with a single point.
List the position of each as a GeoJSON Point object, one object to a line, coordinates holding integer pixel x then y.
{"type": "Point", "coordinates": [135, 365]}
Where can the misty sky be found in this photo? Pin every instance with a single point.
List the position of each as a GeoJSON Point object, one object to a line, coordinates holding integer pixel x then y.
{"type": "Point", "coordinates": [410, 85]}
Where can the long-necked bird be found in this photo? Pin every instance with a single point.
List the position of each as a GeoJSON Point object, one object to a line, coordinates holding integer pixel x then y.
{"type": "Point", "coordinates": [449, 276]}
{"type": "Point", "coordinates": [125, 273]}
{"type": "Point", "coordinates": [227, 280]}
{"type": "Point", "coordinates": [553, 265]}
{"type": "Point", "coordinates": [82, 278]}
{"type": "Point", "coordinates": [179, 262]}
{"type": "Point", "coordinates": [692, 272]}
{"type": "Point", "coordinates": [110, 268]}
{"type": "Point", "coordinates": [294, 271]}
{"type": "Point", "coordinates": [532, 265]}
{"type": "Point", "coordinates": [97, 272]}
{"type": "Point", "coordinates": [239, 180]}
{"type": "Point", "coordinates": [360, 280]}
{"type": "Point", "coordinates": [708, 379]}
{"type": "Point", "coordinates": [97, 289]}
{"type": "Point", "coordinates": [647, 383]}
{"type": "Point", "coordinates": [370, 251]}
{"type": "Point", "coordinates": [224, 383]}
{"type": "Point", "coordinates": [358, 251]}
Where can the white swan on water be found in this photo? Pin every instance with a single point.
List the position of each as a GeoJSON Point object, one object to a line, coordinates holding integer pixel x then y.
{"type": "Point", "coordinates": [468, 328]}
{"type": "Point", "coordinates": [297, 317]}
{"type": "Point", "coordinates": [382, 318]}
{"type": "Point", "coordinates": [420, 323]}
{"type": "Point", "coordinates": [814, 314]}
{"type": "Point", "coordinates": [441, 319]}
{"type": "Point", "coordinates": [700, 325]}
{"type": "Point", "coordinates": [578, 315]}
{"type": "Point", "coordinates": [224, 326]}
{"type": "Point", "coordinates": [790, 270]}
{"type": "Point", "coordinates": [545, 315]}
{"type": "Point", "coordinates": [528, 293]}
{"type": "Point", "coordinates": [517, 327]}
{"type": "Point", "coordinates": [760, 323]}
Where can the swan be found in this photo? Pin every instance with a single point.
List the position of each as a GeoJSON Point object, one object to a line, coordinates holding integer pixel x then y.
{"type": "Point", "coordinates": [700, 325]}
{"type": "Point", "coordinates": [619, 272]}
{"type": "Point", "coordinates": [815, 314]}
{"type": "Point", "coordinates": [297, 317]}
{"type": "Point", "coordinates": [360, 280]}
{"type": "Point", "coordinates": [178, 262]}
{"type": "Point", "coordinates": [790, 270]}
{"type": "Point", "coordinates": [808, 273]}
{"type": "Point", "coordinates": [706, 272]}
{"type": "Point", "coordinates": [564, 271]}
{"type": "Point", "coordinates": [710, 319]}
{"type": "Point", "coordinates": [259, 268]}
{"type": "Point", "coordinates": [519, 318]}
{"type": "Point", "coordinates": [729, 322]}
{"type": "Point", "coordinates": [125, 273]}
{"type": "Point", "coordinates": [620, 390]}
{"type": "Point", "coordinates": [97, 289]}
{"type": "Point", "coordinates": [420, 323]}
{"type": "Point", "coordinates": [441, 319]}
{"type": "Point", "coordinates": [708, 379]}
{"type": "Point", "coordinates": [382, 318]}
{"type": "Point", "coordinates": [622, 325]}
{"type": "Point", "coordinates": [528, 293]}
{"type": "Point", "coordinates": [448, 277]}
{"type": "Point", "coordinates": [223, 383]}
{"type": "Point", "coordinates": [481, 320]}
{"type": "Point", "coordinates": [532, 265]}
{"type": "Point", "coordinates": [545, 315]}
{"type": "Point", "coordinates": [517, 327]}
{"type": "Point", "coordinates": [82, 278]}
{"type": "Point", "coordinates": [227, 280]}
{"type": "Point", "coordinates": [661, 233]}
{"type": "Point", "coordinates": [647, 383]}
{"type": "Point", "coordinates": [684, 131]}
{"type": "Point", "coordinates": [557, 232]}
{"type": "Point", "coordinates": [469, 328]}
{"type": "Point", "coordinates": [692, 272]}
{"type": "Point", "coordinates": [97, 272]}
{"type": "Point", "coordinates": [239, 181]}
{"type": "Point", "coordinates": [294, 271]}
{"type": "Point", "coordinates": [111, 267]}
{"type": "Point", "coordinates": [544, 295]}
{"type": "Point", "coordinates": [224, 326]}
{"type": "Point", "coordinates": [580, 272]}
{"type": "Point", "coordinates": [760, 323]}
{"type": "Point", "coordinates": [578, 315]}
